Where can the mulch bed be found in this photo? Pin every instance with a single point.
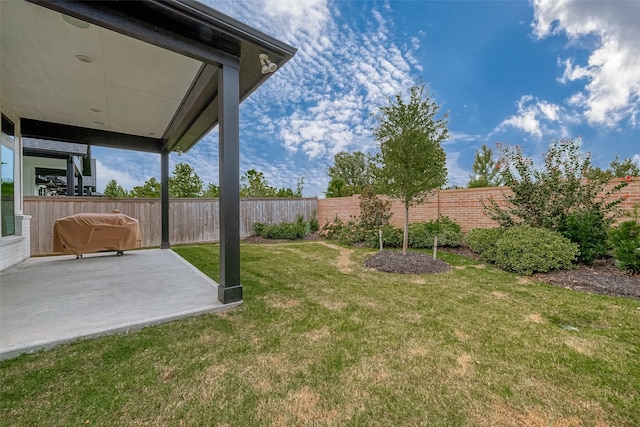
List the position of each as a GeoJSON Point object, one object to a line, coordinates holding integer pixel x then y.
{"type": "Point", "coordinates": [411, 263]}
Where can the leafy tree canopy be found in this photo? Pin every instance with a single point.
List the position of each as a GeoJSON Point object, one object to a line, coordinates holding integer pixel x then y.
{"type": "Point", "coordinates": [337, 188]}
{"type": "Point", "coordinates": [617, 169]}
{"type": "Point", "coordinates": [351, 173]}
{"type": "Point", "coordinates": [254, 184]}
{"type": "Point", "coordinates": [185, 182]}
{"type": "Point", "coordinates": [114, 190]}
{"type": "Point", "coordinates": [149, 190]}
{"type": "Point", "coordinates": [211, 191]}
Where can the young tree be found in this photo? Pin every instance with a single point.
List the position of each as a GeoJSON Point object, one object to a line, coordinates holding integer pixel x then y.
{"type": "Point", "coordinates": [114, 190]}
{"type": "Point", "coordinates": [149, 190]}
{"type": "Point", "coordinates": [411, 159]}
{"type": "Point", "coordinates": [486, 171]}
{"type": "Point", "coordinates": [185, 182]}
{"type": "Point", "coordinates": [353, 169]}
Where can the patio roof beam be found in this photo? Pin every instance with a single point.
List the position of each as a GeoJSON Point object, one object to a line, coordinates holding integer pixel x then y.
{"type": "Point", "coordinates": [59, 132]}
{"type": "Point", "coordinates": [190, 122]}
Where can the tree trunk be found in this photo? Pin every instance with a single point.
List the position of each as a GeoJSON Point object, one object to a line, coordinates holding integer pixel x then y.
{"type": "Point", "coordinates": [405, 237]}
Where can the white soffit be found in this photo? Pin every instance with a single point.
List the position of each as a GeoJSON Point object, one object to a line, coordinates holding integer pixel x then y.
{"type": "Point", "coordinates": [136, 87]}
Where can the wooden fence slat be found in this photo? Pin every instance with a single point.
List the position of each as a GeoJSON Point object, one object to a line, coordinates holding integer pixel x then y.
{"type": "Point", "coordinates": [190, 220]}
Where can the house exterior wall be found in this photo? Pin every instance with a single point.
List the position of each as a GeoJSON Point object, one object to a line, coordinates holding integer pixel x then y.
{"type": "Point", "coordinates": [16, 248]}
{"type": "Point", "coordinates": [29, 175]}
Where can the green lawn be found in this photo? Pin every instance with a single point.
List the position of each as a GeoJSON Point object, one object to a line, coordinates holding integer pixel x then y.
{"type": "Point", "coordinates": [322, 341]}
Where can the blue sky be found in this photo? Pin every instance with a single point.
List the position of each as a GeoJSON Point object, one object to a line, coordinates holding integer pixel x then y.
{"type": "Point", "coordinates": [515, 72]}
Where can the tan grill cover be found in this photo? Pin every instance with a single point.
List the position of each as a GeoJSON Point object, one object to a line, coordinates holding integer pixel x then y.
{"type": "Point", "coordinates": [92, 232]}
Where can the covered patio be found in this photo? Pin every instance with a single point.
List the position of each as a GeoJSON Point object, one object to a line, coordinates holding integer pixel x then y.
{"type": "Point", "coordinates": [50, 301]}
{"type": "Point", "coordinates": [149, 75]}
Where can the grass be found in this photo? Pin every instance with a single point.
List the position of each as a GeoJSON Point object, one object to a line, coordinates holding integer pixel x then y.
{"type": "Point", "coordinates": [322, 341]}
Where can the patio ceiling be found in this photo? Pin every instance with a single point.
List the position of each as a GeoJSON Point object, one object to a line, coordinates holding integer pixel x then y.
{"type": "Point", "coordinates": [134, 75]}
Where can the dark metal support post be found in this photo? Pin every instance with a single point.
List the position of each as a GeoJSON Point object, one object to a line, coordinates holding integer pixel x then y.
{"type": "Point", "coordinates": [229, 289]}
{"type": "Point", "coordinates": [164, 198]}
{"type": "Point", "coordinates": [71, 182]}
{"type": "Point", "coordinates": [80, 191]}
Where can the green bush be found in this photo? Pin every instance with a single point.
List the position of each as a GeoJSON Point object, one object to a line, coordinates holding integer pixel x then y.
{"type": "Point", "coordinates": [625, 240]}
{"type": "Point", "coordinates": [526, 250]}
{"type": "Point", "coordinates": [391, 237]}
{"type": "Point", "coordinates": [421, 234]}
{"type": "Point", "coordinates": [483, 241]}
{"type": "Point", "coordinates": [284, 231]}
{"type": "Point", "coordinates": [331, 229]}
{"type": "Point", "coordinates": [374, 212]}
{"type": "Point", "coordinates": [590, 230]}
{"type": "Point", "coordinates": [258, 228]}
{"type": "Point", "coordinates": [313, 222]}
{"type": "Point", "coordinates": [352, 232]}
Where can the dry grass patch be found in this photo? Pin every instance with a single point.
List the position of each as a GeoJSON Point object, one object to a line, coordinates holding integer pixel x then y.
{"type": "Point", "coordinates": [535, 318]}
{"type": "Point", "coordinates": [343, 263]}
{"type": "Point", "coordinates": [301, 407]}
{"type": "Point", "coordinates": [499, 295]}
{"type": "Point", "coordinates": [501, 414]}
{"type": "Point", "coordinates": [318, 334]}
{"type": "Point", "coordinates": [464, 364]}
{"type": "Point", "coordinates": [581, 345]}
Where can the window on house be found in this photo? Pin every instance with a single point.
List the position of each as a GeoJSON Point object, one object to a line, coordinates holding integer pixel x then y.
{"type": "Point", "coordinates": [7, 201]}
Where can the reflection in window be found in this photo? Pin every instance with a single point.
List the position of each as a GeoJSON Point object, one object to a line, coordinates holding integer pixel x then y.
{"type": "Point", "coordinates": [7, 204]}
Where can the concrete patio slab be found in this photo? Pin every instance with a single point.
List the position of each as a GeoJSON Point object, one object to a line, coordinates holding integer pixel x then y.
{"type": "Point", "coordinates": [49, 301]}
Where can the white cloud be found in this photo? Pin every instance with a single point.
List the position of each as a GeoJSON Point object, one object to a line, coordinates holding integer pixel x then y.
{"type": "Point", "coordinates": [537, 118]}
{"type": "Point", "coordinates": [636, 159]}
{"type": "Point", "coordinates": [456, 174]}
{"type": "Point", "coordinates": [105, 174]}
{"type": "Point", "coordinates": [612, 72]}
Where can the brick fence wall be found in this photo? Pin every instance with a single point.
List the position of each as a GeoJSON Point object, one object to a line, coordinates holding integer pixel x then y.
{"type": "Point", "coordinates": [462, 205]}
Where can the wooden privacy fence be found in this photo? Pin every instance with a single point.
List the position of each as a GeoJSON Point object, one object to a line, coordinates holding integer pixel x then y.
{"type": "Point", "coordinates": [462, 205]}
{"type": "Point", "coordinates": [190, 220]}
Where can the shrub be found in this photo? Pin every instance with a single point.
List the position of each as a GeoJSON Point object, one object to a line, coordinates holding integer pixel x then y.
{"type": "Point", "coordinates": [526, 250]}
{"type": "Point", "coordinates": [374, 212]}
{"type": "Point", "coordinates": [391, 237]}
{"type": "Point", "coordinates": [331, 229]}
{"type": "Point", "coordinates": [421, 234]}
{"type": "Point", "coordinates": [351, 232]}
{"type": "Point", "coordinates": [284, 231]}
{"type": "Point", "coordinates": [258, 228]}
{"type": "Point", "coordinates": [626, 246]}
{"type": "Point", "coordinates": [483, 241]}
{"type": "Point", "coordinates": [313, 222]}
{"type": "Point", "coordinates": [449, 232]}
{"type": "Point", "coordinates": [545, 196]}
{"type": "Point", "coordinates": [590, 230]}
